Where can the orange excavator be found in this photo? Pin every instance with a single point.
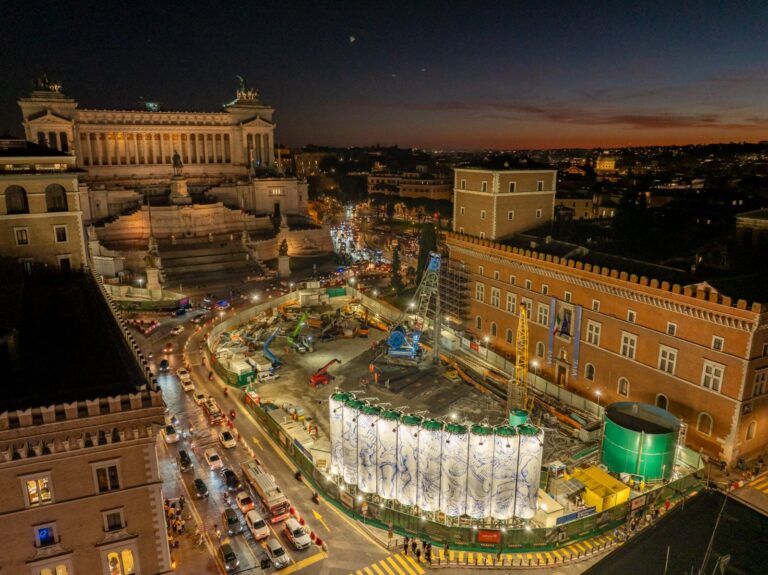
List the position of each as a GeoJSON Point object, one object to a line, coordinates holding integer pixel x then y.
{"type": "Point", "coordinates": [321, 376]}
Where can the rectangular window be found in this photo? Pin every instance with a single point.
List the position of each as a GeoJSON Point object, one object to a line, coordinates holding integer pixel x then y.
{"type": "Point", "coordinates": [480, 292]}
{"type": "Point", "coordinates": [542, 316]}
{"type": "Point", "coordinates": [512, 186]}
{"type": "Point", "coordinates": [567, 296]}
{"type": "Point", "coordinates": [671, 328]}
{"type": "Point", "coordinates": [628, 345]}
{"type": "Point", "coordinates": [528, 307]}
{"type": "Point", "coordinates": [761, 382]}
{"type": "Point", "coordinates": [511, 215]}
{"type": "Point", "coordinates": [481, 270]}
{"type": "Point", "coordinates": [718, 343]}
{"type": "Point", "coordinates": [45, 535]}
{"type": "Point", "coordinates": [765, 349]}
{"type": "Point", "coordinates": [540, 186]}
{"type": "Point", "coordinates": [631, 316]}
{"type": "Point", "coordinates": [482, 214]}
{"type": "Point", "coordinates": [107, 477]}
{"type": "Point", "coordinates": [484, 186]}
{"type": "Point", "coordinates": [544, 289]}
{"type": "Point", "coordinates": [538, 214]}
{"type": "Point", "coordinates": [528, 284]}
{"type": "Point", "coordinates": [667, 359]}
{"type": "Point", "coordinates": [596, 305]}
{"type": "Point", "coordinates": [60, 232]}
{"type": "Point", "coordinates": [37, 489]}
{"type": "Point", "coordinates": [461, 210]}
{"type": "Point", "coordinates": [463, 184]}
{"type": "Point", "coordinates": [593, 332]}
{"type": "Point", "coordinates": [511, 302]}
{"type": "Point", "coordinates": [22, 236]}
{"type": "Point", "coordinates": [113, 520]}
{"type": "Point", "coordinates": [495, 297]}
{"type": "Point", "coordinates": [496, 275]}
{"type": "Point", "coordinates": [512, 280]}
{"type": "Point", "coordinates": [712, 375]}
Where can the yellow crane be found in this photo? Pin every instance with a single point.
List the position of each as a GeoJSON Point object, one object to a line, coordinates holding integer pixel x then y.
{"type": "Point", "coordinates": [517, 387]}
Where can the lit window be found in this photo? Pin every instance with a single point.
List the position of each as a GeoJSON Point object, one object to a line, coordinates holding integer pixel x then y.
{"type": "Point", "coordinates": [589, 372]}
{"type": "Point", "coordinates": [60, 233]}
{"type": "Point", "coordinates": [107, 477]}
{"type": "Point", "coordinates": [511, 302]}
{"type": "Point", "coordinates": [704, 423]}
{"type": "Point", "coordinates": [623, 388]}
{"type": "Point", "coordinates": [667, 359]}
{"type": "Point", "coordinates": [60, 569]}
{"type": "Point", "coordinates": [480, 292]}
{"type": "Point", "coordinates": [671, 328]}
{"type": "Point", "coordinates": [495, 297]}
{"type": "Point", "coordinates": [718, 343]}
{"type": "Point", "coordinates": [45, 535]}
{"type": "Point", "coordinates": [38, 490]}
{"type": "Point", "coordinates": [542, 316]}
{"type": "Point", "coordinates": [628, 345]}
{"type": "Point", "coordinates": [121, 562]}
{"type": "Point", "coordinates": [22, 236]}
{"type": "Point", "coordinates": [593, 332]}
{"type": "Point", "coordinates": [712, 375]}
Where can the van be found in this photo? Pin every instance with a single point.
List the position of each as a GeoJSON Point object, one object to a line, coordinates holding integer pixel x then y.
{"type": "Point", "coordinates": [185, 462]}
{"type": "Point", "coordinates": [231, 521]}
{"type": "Point", "coordinates": [296, 534]}
{"type": "Point", "coordinates": [256, 525]}
{"type": "Point", "coordinates": [277, 554]}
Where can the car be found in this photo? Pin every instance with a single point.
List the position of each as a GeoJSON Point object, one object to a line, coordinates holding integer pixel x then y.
{"type": "Point", "coordinates": [185, 461]}
{"type": "Point", "coordinates": [201, 490]}
{"type": "Point", "coordinates": [177, 330]}
{"type": "Point", "coordinates": [231, 521]}
{"type": "Point", "coordinates": [266, 376]}
{"type": "Point", "coordinates": [164, 365]}
{"type": "Point", "coordinates": [256, 525]}
{"type": "Point", "coordinates": [277, 554]}
{"type": "Point", "coordinates": [212, 459]}
{"type": "Point", "coordinates": [200, 398]}
{"type": "Point", "coordinates": [168, 347]}
{"type": "Point", "coordinates": [183, 374]}
{"type": "Point", "coordinates": [296, 534]}
{"type": "Point", "coordinates": [187, 385]}
{"type": "Point", "coordinates": [229, 557]}
{"type": "Point", "coordinates": [227, 439]}
{"type": "Point", "coordinates": [170, 434]}
{"type": "Point", "coordinates": [230, 479]}
{"type": "Point", "coordinates": [244, 502]}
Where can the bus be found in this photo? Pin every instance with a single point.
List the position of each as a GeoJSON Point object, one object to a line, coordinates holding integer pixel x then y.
{"type": "Point", "coordinates": [263, 485]}
{"type": "Point", "coordinates": [213, 413]}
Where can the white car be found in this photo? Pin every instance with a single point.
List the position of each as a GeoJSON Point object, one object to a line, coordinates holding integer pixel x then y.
{"type": "Point", "coordinates": [177, 330]}
{"type": "Point", "coordinates": [187, 385]}
{"type": "Point", "coordinates": [183, 374]}
{"type": "Point", "coordinates": [297, 534]}
{"type": "Point", "coordinates": [200, 398]}
{"type": "Point", "coordinates": [170, 434]}
{"type": "Point", "coordinates": [227, 439]}
{"type": "Point", "coordinates": [244, 502]}
{"type": "Point", "coordinates": [266, 376]}
{"type": "Point", "coordinates": [256, 525]}
{"type": "Point", "coordinates": [212, 459]}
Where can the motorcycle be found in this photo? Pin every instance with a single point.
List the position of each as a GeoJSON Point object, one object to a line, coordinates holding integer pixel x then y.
{"type": "Point", "coordinates": [210, 376]}
{"type": "Point", "coordinates": [299, 476]}
{"type": "Point", "coordinates": [316, 498]}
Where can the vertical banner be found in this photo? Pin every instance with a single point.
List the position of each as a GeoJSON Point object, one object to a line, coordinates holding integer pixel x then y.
{"type": "Point", "coordinates": [576, 342]}
{"type": "Point", "coordinates": [552, 320]}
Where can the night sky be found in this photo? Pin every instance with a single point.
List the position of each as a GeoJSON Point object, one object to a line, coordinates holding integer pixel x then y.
{"type": "Point", "coordinates": [438, 75]}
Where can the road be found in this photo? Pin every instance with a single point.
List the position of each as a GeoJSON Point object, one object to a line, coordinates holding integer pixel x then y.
{"type": "Point", "coordinates": [349, 547]}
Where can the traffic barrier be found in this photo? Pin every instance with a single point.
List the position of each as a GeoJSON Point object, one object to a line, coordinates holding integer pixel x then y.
{"type": "Point", "coordinates": [301, 521]}
{"type": "Point", "coordinates": [292, 511]}
{"type": "Point", "coordinates": [319, 542]}
{"type": "Point", "coordinates": [312, 535]}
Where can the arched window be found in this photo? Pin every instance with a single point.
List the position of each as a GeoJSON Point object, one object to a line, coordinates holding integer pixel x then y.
{"type": "Point", "coordinates": [510, 336]}
{"type": "Point", "coordinates": [16, 200]}
{"type": "Point", "coordinates": [589, 372]}
{"type": "Point", "coordinates": [751, 430]}
{"type": "Point", "coordinates": [56, 198]}
{"type": "Point", "coordinates": [494, 329]}
{"type": "Point", "coordinates": [478, 322]}
{"type": "Point", "coordinates": [662, 401]}
{"type": "Point", "coordinates": [704, 423]}
{"type": "Point", "coordinates": [623, 387]}
{"type": "Point", "coordinates": [540, 349]}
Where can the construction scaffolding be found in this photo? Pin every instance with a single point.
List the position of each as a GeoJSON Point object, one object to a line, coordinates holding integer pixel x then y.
{"type": "Point", "coordinates": [455, 293]}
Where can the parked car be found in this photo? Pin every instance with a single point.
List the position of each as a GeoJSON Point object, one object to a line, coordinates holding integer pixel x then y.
{"type": "Point", "coordinates": [200, 488]}
{"type": "Point", "coordinates": [187, 385]}
{"type": "Point", "coordinates": [277, 554]}
{"type": "Point", "coordinates": [200, 398]}
{"type": "Point", "coordinates": [230, 479]}
{"type": "Point", "coordinates": [231, 521]}
{"type": "Point", "coordinates": [256, 525]}
{"type": "Point", "coordinates": [296, 534]}
{"type": "Point", "coordinates": [185, 461]}
{"type": "Point", "coordinates": [170, 434]}
{"type": "Point", "coordinates": [183, 374]}
{"type": "Point", "coordinates": [212, 459]}
{"type": "Point", "coordinates": [177, 330]}
{"type": "Point", "coordinates": [244, 502]}
{"type": "Point", "coordinates": [227, 439]}
{"type": "Point", "coordinates": [265, 376]}
{"type": "Point", "coordinates": [229, 557]}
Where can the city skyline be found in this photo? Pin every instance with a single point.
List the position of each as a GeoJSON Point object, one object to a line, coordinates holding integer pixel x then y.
{"type": "Point", "coordinates": [468, 77]}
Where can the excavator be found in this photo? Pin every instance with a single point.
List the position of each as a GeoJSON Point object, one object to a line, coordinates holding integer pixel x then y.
{"type": "Point", "coordinates": [321, 376]}
{"type": "Point", "coordinates": [301, 343]}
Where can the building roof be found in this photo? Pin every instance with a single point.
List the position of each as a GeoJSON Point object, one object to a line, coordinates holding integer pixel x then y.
{"type": "Point", "coordinates": [15, 147]}
{"type": "Point", "coordinates": [501, 163]}
{"type": "Point", "coordinates": [69, 347]}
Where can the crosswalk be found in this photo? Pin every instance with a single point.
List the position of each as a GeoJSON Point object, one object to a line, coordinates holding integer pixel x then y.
{"type": "Point", "coordinates": [760, 483]}
{"type": "Point", "coordinates": [400, 564]}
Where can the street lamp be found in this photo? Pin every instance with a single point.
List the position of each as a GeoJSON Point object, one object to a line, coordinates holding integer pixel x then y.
{"type": "Point", "coordinates": [375, 293]}
{"type": "Point", "coordinates": [486, 339]}
{"type": "Point", "coordinates": [597, 393]}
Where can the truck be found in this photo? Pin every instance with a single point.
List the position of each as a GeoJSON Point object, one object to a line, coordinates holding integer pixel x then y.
{"type": "Point", "coordinates": [264, 486]}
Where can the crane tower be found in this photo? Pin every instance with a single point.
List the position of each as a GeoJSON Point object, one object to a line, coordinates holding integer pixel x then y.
{"type": "Point", "coordinates": [517, 387]}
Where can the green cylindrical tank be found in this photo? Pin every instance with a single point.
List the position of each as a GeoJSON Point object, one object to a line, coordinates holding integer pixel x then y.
{"type": "Point", "coordinates": [390, 415]}
{"type": "Point", "coordinates": [517, 417]}
{"type": "Point", "coordinates": [639, 439]}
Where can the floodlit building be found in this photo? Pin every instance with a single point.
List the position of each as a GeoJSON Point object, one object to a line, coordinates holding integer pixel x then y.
{"type": "Point", "coordinates": [78, 426]}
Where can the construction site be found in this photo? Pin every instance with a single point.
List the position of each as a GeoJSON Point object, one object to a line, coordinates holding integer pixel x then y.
{"type": "Point", "coordinates": [402, 421]}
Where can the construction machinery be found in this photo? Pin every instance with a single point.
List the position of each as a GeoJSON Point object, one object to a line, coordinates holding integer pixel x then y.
{"type": "Point", "coordinates": [403, 340]}
{"type": "Point", "coordinates": [321, 376]}
{"type": "Point", "coordinates": [301, 344]}
{"type": "Point", "coordinates": [276, 362]}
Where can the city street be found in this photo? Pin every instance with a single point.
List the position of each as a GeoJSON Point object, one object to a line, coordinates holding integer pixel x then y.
{"type": "Point", "coordinates": [349, 547]}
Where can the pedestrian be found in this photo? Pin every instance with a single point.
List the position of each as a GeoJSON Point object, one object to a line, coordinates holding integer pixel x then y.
{"type": "Point", "coordinates": [423, 545]}
{"type": "Point", "coordinates": [182, 501]}
{"type": "Point", "coordinates": [183, 525]}
{"type": "Point", "coordinates": [666, 504]}
{"type": "Point", "coordinates": [418, 555]}
{"type": "Point", "coordinates": [414, 546]}
{"type": "Point", "coordinates": [428, 552]}
{"type": "Point", "coordinates": [446, 548]}
{"type": "Point", "coordinates": [405, 546]}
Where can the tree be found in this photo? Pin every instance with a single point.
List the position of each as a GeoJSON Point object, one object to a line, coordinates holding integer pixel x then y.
{"type": "Point", "coordinates": [427, 243]}
{"type": "Point", "coordinates": [396, 283]}
{"type": "Point", "coordinates": [390, 210]}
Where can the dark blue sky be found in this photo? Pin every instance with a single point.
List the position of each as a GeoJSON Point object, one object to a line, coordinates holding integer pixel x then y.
{"type": "Point", "coordinates": [427, 74]}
